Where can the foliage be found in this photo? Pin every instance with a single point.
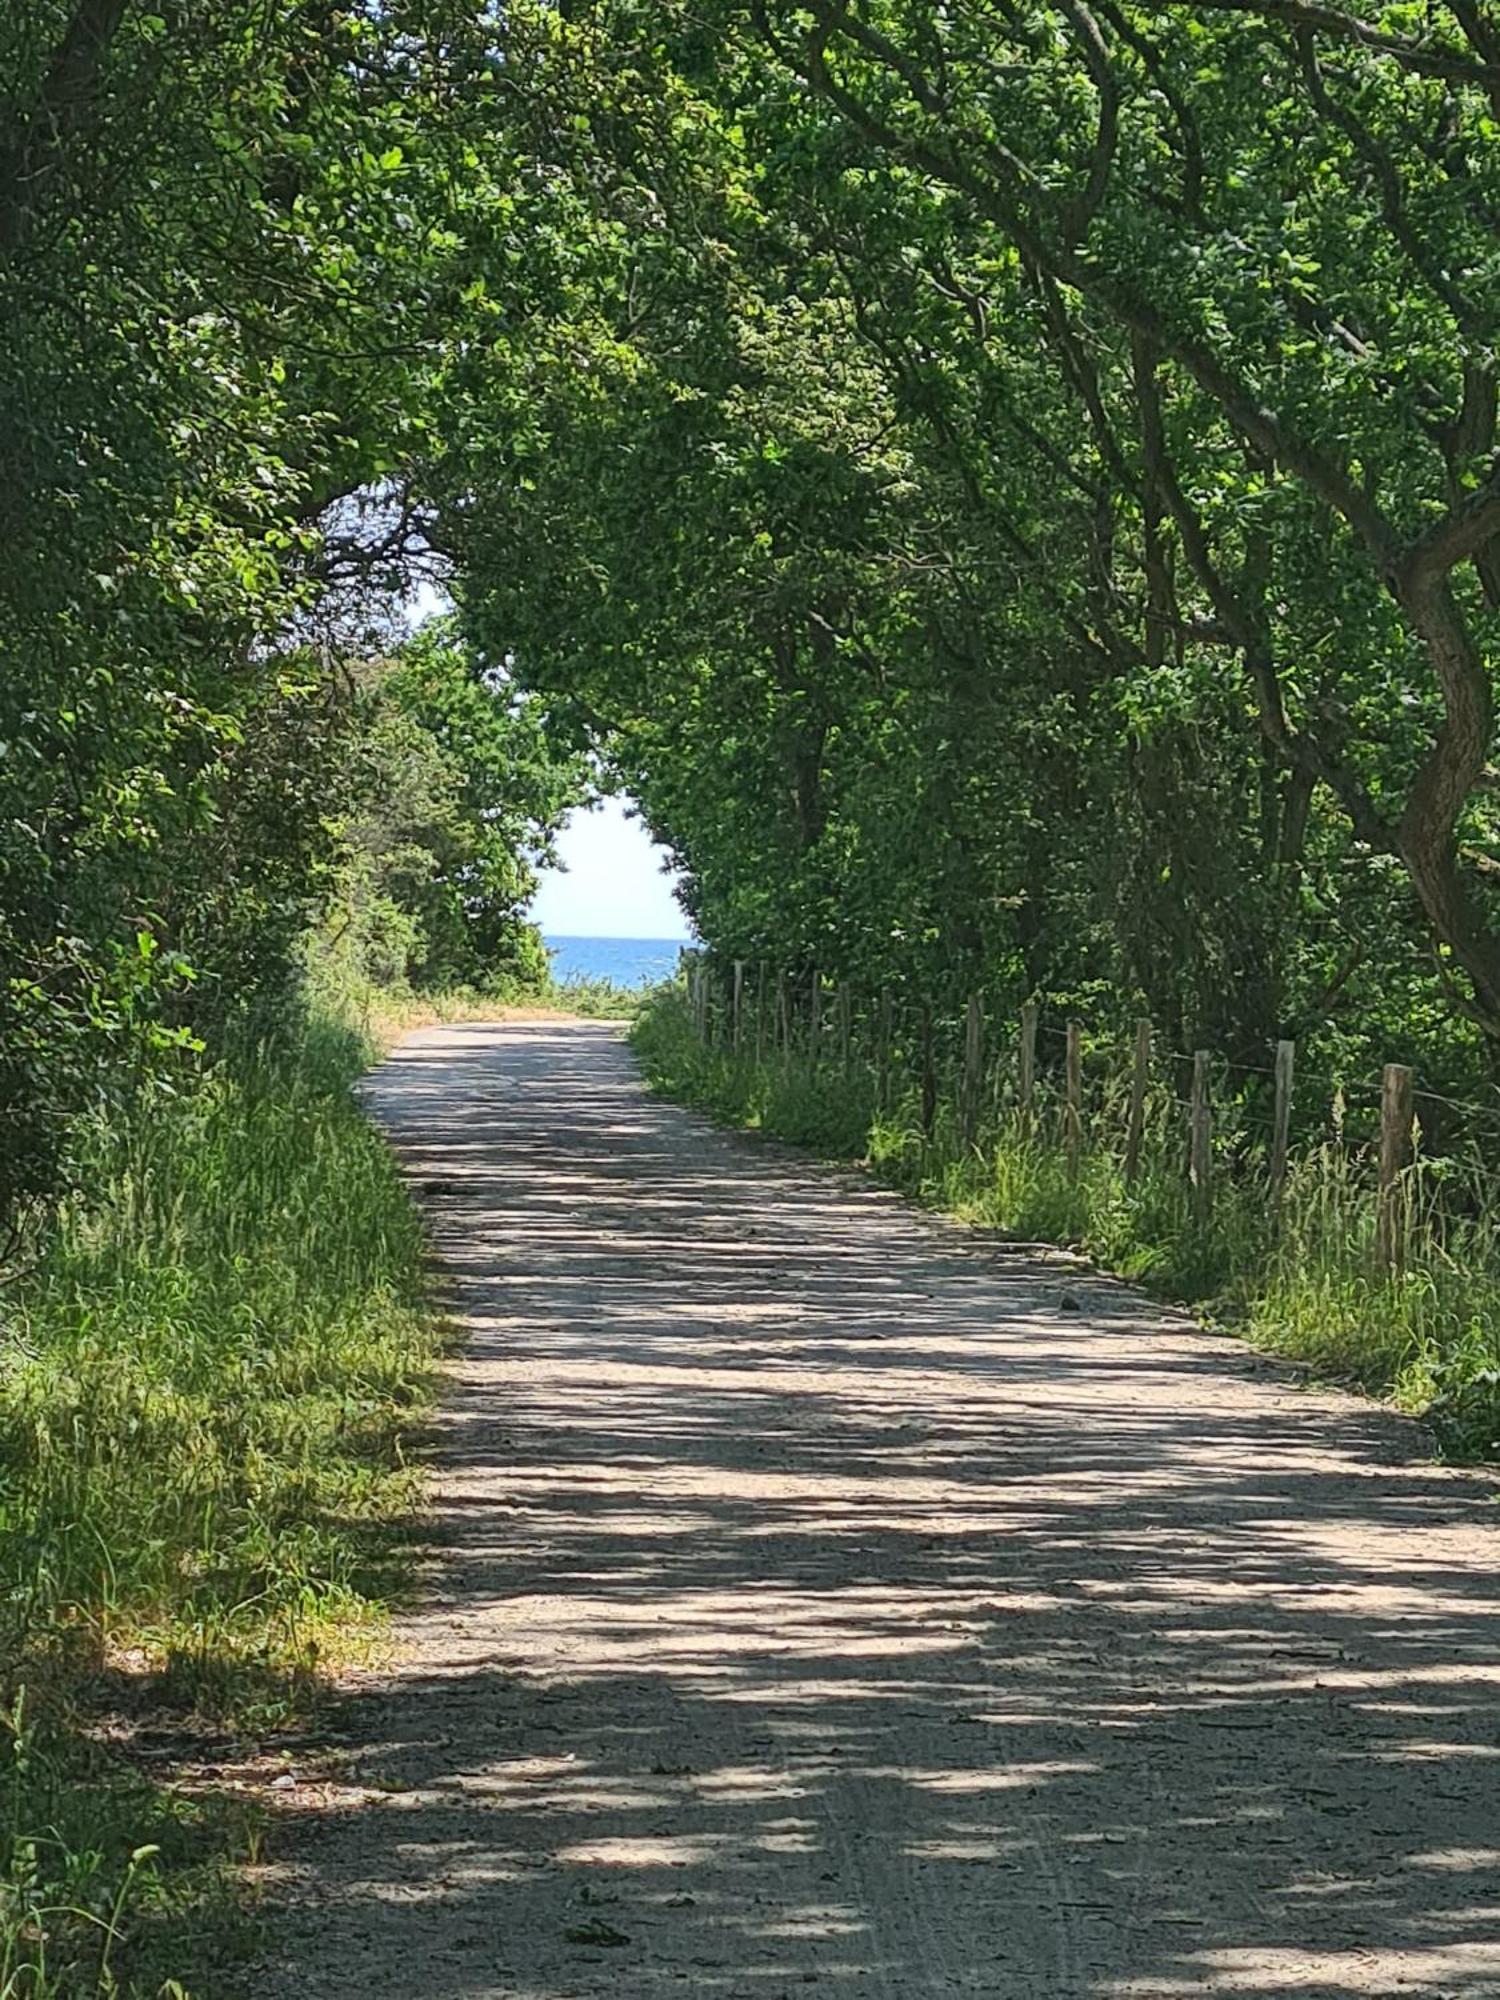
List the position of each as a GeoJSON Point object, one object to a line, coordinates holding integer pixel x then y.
{"type": "Point", "coordinates": [460, 791]}
{"type": "Point", "coordinates": [1012, 491]}
{"type": "Point", "coordinates": [594, 999]}
{"type": "Point", "coordinates": [204, 1392]}
{"type": "Point", "coordinates": [1012, 495]}
{"type": "Point", "coordinates": [226, 257]}
{"type": "Point", "coordinates": [1067, 448]}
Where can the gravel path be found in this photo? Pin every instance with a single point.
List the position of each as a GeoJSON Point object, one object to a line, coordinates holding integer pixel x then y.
{"type": "Point", "coordinates": [827, 1602]}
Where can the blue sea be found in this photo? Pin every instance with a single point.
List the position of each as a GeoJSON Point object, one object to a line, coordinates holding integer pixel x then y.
{"type": "Point", "coordinates": [622, 961]}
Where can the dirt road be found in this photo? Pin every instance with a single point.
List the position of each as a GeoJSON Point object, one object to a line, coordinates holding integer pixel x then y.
{"type": "Point", "coordinates": [829, 1603]}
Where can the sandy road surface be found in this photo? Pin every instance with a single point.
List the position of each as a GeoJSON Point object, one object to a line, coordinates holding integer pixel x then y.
{"type": "Point", "coordinates": [824, 1606]}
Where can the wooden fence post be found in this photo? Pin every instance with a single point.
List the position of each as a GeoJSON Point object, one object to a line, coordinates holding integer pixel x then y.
{"type": "Point", "coordinates": [1026, 1081]}
{"type": "Point", "coordinates": [1395, 1154]}
{"type": "Point", "coordinates": [760, 1015]}
{"type": "Point", "coordinates": [1073, 1116]}
{"type": "Point", "coordinates": [737, 1003]}
{"type": "Point", "coordinates": [1281, 1120]}
{"type": "Point", "coordinates": [846, 1029]}
{"type": "Point", "coordinates": [814, 1020]}
{"type": "Point", "coordinates": [784, 1020]}
{"type": "Point", "coordinates": [1200, 1136]}
{"type": "Point", "coordinates": [1140, 1078]}
{"type": "Point", "coordinates": [973, 1069]}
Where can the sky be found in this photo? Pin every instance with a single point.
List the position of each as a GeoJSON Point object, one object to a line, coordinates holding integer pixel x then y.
{"type": "Point", "coordinates": [613, 885]}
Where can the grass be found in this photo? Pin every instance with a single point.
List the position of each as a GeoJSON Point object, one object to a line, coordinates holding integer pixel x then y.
{"type": "Point", "coordinates": [1305, 1284]}
{"type": "Point", "coordinates": [203, 1393]}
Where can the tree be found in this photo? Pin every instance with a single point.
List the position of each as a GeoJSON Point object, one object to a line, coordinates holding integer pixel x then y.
{"type": "Point", "coordinates": [460, 794]}
{"type": "Point", "coordinates": [224, 267]}
{"type": "Point", "coordinates": [1090, 389]}
{"type": "Point", "coordinates": [1272, 224]}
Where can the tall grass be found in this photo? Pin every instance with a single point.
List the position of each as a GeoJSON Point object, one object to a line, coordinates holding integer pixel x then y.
{"type": "Point", "coordinates": [203, 1393]}
{"type": "Point", "coordinates": [1304, 1282]}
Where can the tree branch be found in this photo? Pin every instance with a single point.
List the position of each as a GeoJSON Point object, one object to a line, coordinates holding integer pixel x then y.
{"type": "Point", "coordinates": [1010, 201]}
{"type": "Point", "coordinates": [1295, 747]}
{"type": "Point", "coordinates": [1464, 529]}
{"type": "Point", "coordinates": [67, 103]}
{"type": "Point", "coordinates": [1419, 57]}
{"type": "Point", "coordinates": [1082, 210]}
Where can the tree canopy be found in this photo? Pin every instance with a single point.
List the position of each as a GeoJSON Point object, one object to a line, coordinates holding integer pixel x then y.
{"type": "Point", "coordinates": [1019, 494]}
{"type": "Point", "coordinates": [229, 261]}
{"type": "Point", "coordinates": [1012, 490]}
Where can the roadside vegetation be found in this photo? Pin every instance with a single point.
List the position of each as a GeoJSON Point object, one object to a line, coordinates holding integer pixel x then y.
{"type": "Point", "coordinates": [212, 1371]}
{"type": "Point", "coordinates": [208, 1379]}
{"type": "Point", "coordinates": [1302, 1277]}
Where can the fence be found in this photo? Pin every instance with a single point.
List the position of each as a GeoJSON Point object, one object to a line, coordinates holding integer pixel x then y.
{"type": "Point", "coordinates": [899, 1052]}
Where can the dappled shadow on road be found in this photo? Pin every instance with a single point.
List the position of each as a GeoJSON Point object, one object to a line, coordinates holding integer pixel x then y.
{"type": "Point", "coordinates": [824, 1601]}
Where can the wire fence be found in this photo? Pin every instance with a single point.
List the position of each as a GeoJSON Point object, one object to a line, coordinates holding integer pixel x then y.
{"type": "Point", "coordinates": [966, 1067]}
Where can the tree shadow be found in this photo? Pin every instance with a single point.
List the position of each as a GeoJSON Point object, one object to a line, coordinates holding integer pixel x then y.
{"type": "Point", "coordinates": [818, 1602]}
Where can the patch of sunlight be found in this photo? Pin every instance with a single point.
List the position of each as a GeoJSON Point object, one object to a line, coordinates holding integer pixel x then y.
{"type": "Point", "coordinates": [645, 1850]}
{"type": "Point", "coordinates": [1014, 1777]}
{"type": "Point", "coordinates": [1265, 1970]}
